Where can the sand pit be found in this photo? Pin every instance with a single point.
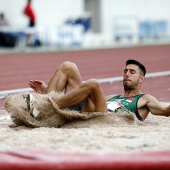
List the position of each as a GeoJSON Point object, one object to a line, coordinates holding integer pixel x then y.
{"type": "Point", "coordinates": [152, 135]}
{"type": "Point", "coordinates": [101, 133]}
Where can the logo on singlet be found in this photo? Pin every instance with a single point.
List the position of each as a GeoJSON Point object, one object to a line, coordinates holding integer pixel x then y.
{"type": "Point", "coordinates": [130, 99]}
{"type": "Point", "coordinates": [112, 106]}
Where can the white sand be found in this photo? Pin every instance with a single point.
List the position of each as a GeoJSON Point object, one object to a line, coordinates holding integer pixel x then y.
{"type": "Point", "coordinates": [152, 135]}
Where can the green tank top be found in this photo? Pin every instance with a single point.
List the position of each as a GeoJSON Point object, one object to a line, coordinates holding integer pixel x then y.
{"type": "Point", "coordinates": [129, 103]}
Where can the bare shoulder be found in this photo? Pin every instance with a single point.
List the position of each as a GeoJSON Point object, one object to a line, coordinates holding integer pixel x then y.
{"type": "Point", "coordinates": [110, 96]}
{"type": "Point", "coordinates": [146, 99]}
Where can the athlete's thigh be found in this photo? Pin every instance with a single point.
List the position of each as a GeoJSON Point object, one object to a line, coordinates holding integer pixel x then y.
{"type": "Point", "coordinates": [95, 103]}
{"type": "Point", "coordinates": [73, 78]}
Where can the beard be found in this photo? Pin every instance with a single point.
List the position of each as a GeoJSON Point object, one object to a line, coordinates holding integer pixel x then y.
{"type": "Point", "coordinates": [130, 86]}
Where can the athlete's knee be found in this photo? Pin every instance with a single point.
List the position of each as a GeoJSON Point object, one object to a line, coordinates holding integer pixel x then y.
{"type": "Point", "coordinates": [92, 84]}
{"type": "Point", "coordinates": [67, 66]}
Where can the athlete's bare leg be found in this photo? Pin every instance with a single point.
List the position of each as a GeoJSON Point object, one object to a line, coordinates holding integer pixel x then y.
{"type": "Point", "coordinates": [89, 92]}
{"type": "Point", "coordinates": [66, 78]}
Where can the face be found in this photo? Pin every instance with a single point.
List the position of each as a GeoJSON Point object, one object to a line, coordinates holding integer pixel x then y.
{"type": "Point", "coordinates": [132, 77]}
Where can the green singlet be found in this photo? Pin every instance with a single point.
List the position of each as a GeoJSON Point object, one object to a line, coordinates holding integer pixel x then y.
{"type": "Point", "coordinates": [127, 103]}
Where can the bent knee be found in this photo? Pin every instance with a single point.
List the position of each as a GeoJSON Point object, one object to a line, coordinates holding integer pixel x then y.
{"type": "Point", "coordinates": [67, 65]}
{"type": "Point", "coordinates": [92, 84]}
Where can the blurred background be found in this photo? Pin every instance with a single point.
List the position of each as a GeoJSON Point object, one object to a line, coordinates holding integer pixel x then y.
{"type": "Point", "coordinates": [84, 23]}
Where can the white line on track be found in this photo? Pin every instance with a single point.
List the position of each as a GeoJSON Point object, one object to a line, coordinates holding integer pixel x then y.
{"type": "Point", "coordinates": [3, 94]}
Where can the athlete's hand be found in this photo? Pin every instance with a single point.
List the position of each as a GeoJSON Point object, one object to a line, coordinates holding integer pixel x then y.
{"type": "Point", "coordinates": [38, 86]}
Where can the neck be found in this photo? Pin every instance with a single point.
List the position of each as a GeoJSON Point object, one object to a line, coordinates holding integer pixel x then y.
{"type": "Point", "coordinates": [129, 93]}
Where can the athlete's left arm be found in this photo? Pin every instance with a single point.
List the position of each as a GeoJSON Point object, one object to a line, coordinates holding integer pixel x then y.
{"type": "Point", "coordinates": [156, 107]}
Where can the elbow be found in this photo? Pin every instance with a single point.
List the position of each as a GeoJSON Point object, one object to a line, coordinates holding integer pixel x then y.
{"type": "Point", "coordinates": [166, 113]}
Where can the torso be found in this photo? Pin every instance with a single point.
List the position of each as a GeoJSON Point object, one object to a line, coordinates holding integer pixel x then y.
{"type": "Point", "coordinates": [134, 104]}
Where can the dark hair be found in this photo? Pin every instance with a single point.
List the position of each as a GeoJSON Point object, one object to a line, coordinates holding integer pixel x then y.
{"type": "Point", "coordinates": [141, 66]}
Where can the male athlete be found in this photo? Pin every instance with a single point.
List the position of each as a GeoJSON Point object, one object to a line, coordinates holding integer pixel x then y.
{"type": "Point", "coordinates": [88, 96]}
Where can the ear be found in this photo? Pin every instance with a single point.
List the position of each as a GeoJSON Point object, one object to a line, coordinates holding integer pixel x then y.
{"type": "Point", "coordinates": [142, 78]}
